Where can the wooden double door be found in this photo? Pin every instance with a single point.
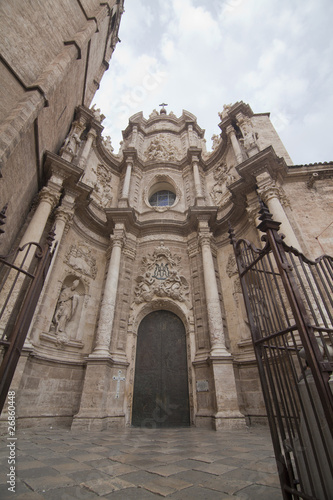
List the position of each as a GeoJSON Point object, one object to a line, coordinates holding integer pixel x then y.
{"type": "Point", "coordinates": [161, 397]}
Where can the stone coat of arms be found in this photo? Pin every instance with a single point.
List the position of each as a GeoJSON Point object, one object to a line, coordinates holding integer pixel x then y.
{"type": "Point", "coordinates": [160, 277]}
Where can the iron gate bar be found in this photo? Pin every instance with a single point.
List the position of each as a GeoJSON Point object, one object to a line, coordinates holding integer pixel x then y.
{"type": "Point", "coordinates": [273, 335]}
{"type": "Point", "coordinates": [313, 353]}
{"type": "Point", "coordinates": [275, 280]}
{"type": "Point", "coordinates": [20, 329]}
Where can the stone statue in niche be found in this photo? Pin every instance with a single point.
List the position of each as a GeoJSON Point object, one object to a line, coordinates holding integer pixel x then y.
{"type": "Point", "coordinates": [67, 312]}
{"type": "Point", "coordinates": [223, 178]}
{"type": "Point", "coordinates": [66, 306]}
{"type": "Point", "coordinates": [71, 144]}
{"type": "Point", "coordinates": [250, 137]}
{"type": "Point", "coordinates": [103, 185]}
{"type": "Point", "coordinates": [161, 277]}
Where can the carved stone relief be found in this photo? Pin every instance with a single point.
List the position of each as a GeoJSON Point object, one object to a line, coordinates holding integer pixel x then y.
{"type": "Point", "coordinates": [162, 148]}
{"type": "Point", "coordinates": [160, 277]}
{"type": "Point", "coordinates": [81, 260]}
{"type": "Point", "coordinates": [223, 178]}
{"type": "Point", "coordinates": [102, 185]}
{"type": "Point", "coordinates": [250, 137]}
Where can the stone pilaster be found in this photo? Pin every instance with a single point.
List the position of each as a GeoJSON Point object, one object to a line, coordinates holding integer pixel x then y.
{"type": "Point", "coordinates": [199, 197]}
{"type": "Point", "coordinates": [123, 202]}
{"type": "Point", "coordinates": [105, 323]}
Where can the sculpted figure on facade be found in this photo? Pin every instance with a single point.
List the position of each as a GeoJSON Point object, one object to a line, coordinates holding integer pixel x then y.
{"type": "Point", "coordinates": [107, 144]}
{"type": "Point", "coordinates": [71, 144]}
{"type": "Point", "coordinates": [153, 114]}
{"type": "Point", "coordinates": [103, 185]}
{"type": "Point", "coordinates": [97, 114]}
{"type": "Point", "coordinates": [224, 114]}
{"type": "Point", "coordinates": [250, 137]}
{"type": "Point", "coordinates": [217, 139]}
{"type": "Point", "coordinates": [162, 148]}
{"type": "Point", "coordinates": [223, 178]}
{"type": "Point", "coordinates": [66, 307]}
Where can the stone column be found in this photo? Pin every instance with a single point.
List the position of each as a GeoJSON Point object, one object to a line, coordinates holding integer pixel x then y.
{"type": "Point", "coordinates": [235, 144]}
{"type": "Point", "coordinates": [197, 182]}
{"type": "Point", "coordinates": [123, 202]}
{"type": "Point", "coordinates": [86, 150]}
{"type": "Point", "coordinates": [215, 322]}
{"type": "Point", "coordinates": [227, 414]}
{"type": "Point", "coordinates": [271, 195]}
{"type": "Point", "coordinates": [105, 323]}
{"type": "Point", "coordinates": [48, 198]}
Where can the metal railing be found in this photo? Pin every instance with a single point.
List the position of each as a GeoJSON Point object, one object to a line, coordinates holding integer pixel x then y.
{"type": "Point", "coordinates": [289, 302]}
{"type": "Point", "coordinates": [22, 275]}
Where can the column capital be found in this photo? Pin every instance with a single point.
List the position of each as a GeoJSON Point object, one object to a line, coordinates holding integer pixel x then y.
{"type": "Point", "coordinates": [65, 215]}
{"type": "Point", "coordinates": [205, 239]}
{"type": "Point", "coordinates": [118, 238]}
{"type": "Point", "coordinates": [266, 193]}
{"type": "Point", "coordinates": [50, 196]}
{"type": "Point", "coordinates": [230, 130]}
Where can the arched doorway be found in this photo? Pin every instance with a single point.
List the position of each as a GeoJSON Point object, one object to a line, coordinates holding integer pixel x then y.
{"type": "Point", "coordinates": [160, 397]}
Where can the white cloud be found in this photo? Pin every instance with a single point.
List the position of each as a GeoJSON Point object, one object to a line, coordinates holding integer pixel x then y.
{"type": "Point", "coordinates": [200, 54]}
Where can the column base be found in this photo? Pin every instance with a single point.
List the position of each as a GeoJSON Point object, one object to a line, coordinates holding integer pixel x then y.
{"type": "Point", "coordinates": [229, 421]}
{"type": "Point", "coordinates": [123, 203]}
{"type": "Point", "coordinates": [98, 423]}
{"type": "Point", "coordinates": [228, 415]}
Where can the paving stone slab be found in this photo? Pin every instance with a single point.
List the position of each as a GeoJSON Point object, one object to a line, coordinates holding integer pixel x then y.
{"type": "Point", "coordinates": [257, 492]}
{"type": "Point", "coordinates": [216, 469]}
{"type": "Point", "coordinates": [118, 469]}
{"type": "Point", "coordinates": [133, 494]}
{"type": "Point", "coordinates": [166, 470]}
{"type": "Point", "coordinates": [37, 472]}
{"type": "Point", "coordinates": [104, 487]}
{"type": "Point", "coordinates": [165, 486]}
{"type": "Point", "coordinates": [198, 493]}
{"type": "Point", "coordinates": [48, 482]}
{"type": "Point", "coordinates": [224, 485]}
{"type": "Point", "coordinates": [69, 493]}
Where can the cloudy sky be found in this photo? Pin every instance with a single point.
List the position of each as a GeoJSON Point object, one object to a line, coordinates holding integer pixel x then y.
{"type": "Point", "coordinates": [275, 55]}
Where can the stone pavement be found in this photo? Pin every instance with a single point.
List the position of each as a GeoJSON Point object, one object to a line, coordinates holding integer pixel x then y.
{"type": "Point", "coordinates": [183, 464]}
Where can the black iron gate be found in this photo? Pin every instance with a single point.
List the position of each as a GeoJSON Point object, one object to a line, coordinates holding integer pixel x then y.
{"type": "Point", "coordinates": [22, 275]}
{"type": "Point", "coordinates": [289, 302]}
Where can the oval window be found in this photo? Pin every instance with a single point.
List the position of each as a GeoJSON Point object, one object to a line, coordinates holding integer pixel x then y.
{"type": "Point", "coordinates": [162, 198]}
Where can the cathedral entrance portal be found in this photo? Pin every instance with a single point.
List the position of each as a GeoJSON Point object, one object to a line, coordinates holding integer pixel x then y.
{"type": "Point", "coordinates": [161, 396]}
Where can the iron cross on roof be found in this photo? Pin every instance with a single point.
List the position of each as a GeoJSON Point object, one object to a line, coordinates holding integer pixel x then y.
{"type": "Point", "coordinates": [163, 110]}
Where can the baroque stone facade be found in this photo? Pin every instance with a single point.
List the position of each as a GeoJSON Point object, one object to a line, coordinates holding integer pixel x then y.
{"type": "Point", "coordinates": [146, 230]}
